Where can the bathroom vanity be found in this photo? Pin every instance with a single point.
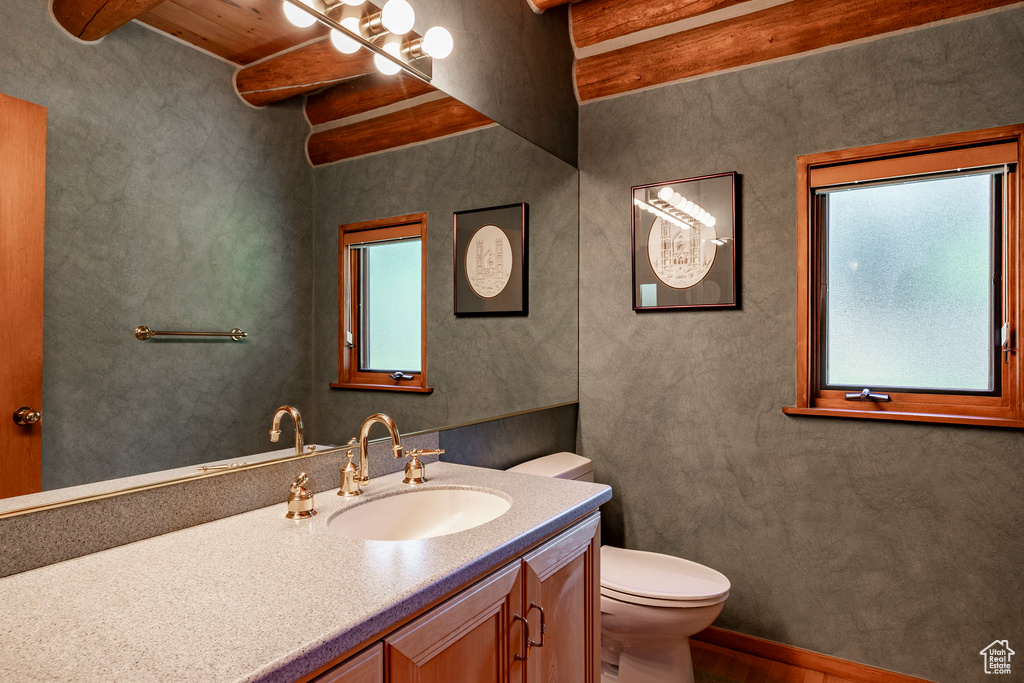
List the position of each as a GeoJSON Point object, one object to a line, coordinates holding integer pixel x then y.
{"type": "Point", "coordinates": [257, 597]}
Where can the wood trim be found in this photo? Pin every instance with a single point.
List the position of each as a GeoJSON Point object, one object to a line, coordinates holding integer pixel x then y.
{"type": "Point", "coordinates": [595, 21]}
{"type": "Point", "coordinates": [806, 659]}
{"type": "Point", "coordinates": [935, 162]}
{"type": "Point", "coordinates": [92, 19]}
{"type": "Point", "coordinates": [304, 69]}
{"type": "Point", "coordinates": [993, 146]}
{"type": "Point", "coordinates": [363, 94]}
{"type": "Point", "coordinates": [350, 376]}
{"type": "Point", "coordinates": [421, 123]}
{"type": "Point", "coordinates": [939, 418]}
{"type": "Point", "coordinates": [780, 31]}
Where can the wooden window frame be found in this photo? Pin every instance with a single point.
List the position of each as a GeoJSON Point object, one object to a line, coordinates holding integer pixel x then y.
{"type": "Point", "coordinates": [974, 149]}
{"type": "Point", "coordinates": [352, 234]}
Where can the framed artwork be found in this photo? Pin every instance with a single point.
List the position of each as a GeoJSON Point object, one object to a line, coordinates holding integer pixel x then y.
{"type": "Point", "coordinates": [686, 244]}
{"type": "Point", "coordinates": [490, 261]}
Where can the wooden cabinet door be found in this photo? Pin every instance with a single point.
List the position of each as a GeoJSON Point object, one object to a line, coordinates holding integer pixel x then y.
{"type": "Point", "coordinates": [365, 667]}
{"type": "Point", "coordinates": [562, 594]}
{"type": "Point", "coordinates": [22, 212]}
{"type": "Point", "coordinates": [468, 639]}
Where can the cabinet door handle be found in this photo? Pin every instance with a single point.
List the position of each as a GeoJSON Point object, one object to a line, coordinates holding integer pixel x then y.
{"type": "Point", "coordinates": [526, 638]}
{"type": "Point", "coordinates": [543, 628]}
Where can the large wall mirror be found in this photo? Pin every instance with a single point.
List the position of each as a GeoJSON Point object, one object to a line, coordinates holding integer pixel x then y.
{"type": "Point", "coordinates": [174, 204]}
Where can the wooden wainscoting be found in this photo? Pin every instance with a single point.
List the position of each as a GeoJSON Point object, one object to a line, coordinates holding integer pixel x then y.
{"type": "Point", "coordinates": [747, 659]}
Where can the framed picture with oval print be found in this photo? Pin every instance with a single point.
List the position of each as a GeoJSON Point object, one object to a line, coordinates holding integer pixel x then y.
{"type": "Point", "coordinates": [686, 244]}
{"type": "Point", "coordinates": [490, 261]}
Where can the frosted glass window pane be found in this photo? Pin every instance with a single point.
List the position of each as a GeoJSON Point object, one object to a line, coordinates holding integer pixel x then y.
{"type": "Point", "coordinates": [909, 285]}
{"type": "Point", "coordinates": [392, 306]}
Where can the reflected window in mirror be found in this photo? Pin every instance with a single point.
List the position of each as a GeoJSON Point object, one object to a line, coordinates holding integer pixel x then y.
{"type": "Point", "coordinates": [382, 305]}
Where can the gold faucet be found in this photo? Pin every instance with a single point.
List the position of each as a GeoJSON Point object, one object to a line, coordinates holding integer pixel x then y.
{"type": "Point", "coordinates": [275, 430]}
{"type": "Point", "coordinates": [364, 433]}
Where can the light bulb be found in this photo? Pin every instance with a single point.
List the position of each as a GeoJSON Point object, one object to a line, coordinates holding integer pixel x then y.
{"type": "Point", "coordinates": [665, 194]}
{"type": "Point", "coordinates": [397, 17]}
{"type": "Point", "coordinates": [343, 43]}
{"type": "Point", "coordinates": [297, 16]}
{"type": "Point", "coordinates": [437, 42]}
{"type": "Point", "coordinates": [384, 65]}
{"type": "Point", "coordinates": [688, 207]}
{"type": "Point", "coordinates": [712, 221]}
{"type": "Point", "coordinates": [676, 200]}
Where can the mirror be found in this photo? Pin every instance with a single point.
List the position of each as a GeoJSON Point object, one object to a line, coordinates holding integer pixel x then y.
{"type": "Point", "coordinates": [171, 203]}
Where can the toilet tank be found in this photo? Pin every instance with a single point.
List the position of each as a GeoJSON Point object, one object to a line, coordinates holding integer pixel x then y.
{"type": "Point", "coordinates": [558, 465]}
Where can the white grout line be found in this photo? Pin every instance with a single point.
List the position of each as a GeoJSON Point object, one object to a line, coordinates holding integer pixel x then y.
{"type": "Point", "coordinates": [393, 149]}
{"type": "Point", "coordinates": [379, 111]}
{"type": "Point", "coordinates": [821, 50]}
{"type": "Point", "coordinates": [674, 27]}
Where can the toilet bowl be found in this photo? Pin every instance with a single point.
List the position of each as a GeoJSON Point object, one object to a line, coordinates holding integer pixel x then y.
{"type": "Point", "coordinates": [650, 603]}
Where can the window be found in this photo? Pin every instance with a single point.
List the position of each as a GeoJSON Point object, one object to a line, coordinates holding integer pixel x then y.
{"type": "Point", "coordinates": [382, 334]}
{"type": "Point", "coordinates": [909, 281]}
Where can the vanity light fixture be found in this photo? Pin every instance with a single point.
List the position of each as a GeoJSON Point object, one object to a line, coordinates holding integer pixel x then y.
{"type": "Point", "coordinates": [379, 31]}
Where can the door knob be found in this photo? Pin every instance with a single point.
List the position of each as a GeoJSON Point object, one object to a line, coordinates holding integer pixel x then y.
{"type": "Point", "coordinates": [26, 416]}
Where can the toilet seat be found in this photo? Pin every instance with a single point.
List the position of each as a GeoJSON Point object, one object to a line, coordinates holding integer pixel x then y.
{"type": "Point", "coordinates": [644, 578]}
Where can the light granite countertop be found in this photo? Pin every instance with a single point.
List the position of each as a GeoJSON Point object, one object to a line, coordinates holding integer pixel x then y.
{"type": "Point", "coordinates": [257, 597]}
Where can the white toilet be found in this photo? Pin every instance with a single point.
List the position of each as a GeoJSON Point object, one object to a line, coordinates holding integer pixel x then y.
{"type": "Point", "coordinates": [650, 603]}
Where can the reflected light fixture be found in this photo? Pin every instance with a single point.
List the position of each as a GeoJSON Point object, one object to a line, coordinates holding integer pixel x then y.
{"type": "Point", "coordinates": [397, 17]}
{"type": "Point", "coordinates": [386, 66]}
{"type": "Point", "coordinates": [691, 209]}
{"type": "Point", "coordinates": [297, 17]}
{"type": "Point", "coordinates": [343, 43]}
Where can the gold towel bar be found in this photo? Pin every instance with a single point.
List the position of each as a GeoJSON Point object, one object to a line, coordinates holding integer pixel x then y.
{"type": "Point", "coordinates": [142, 333]}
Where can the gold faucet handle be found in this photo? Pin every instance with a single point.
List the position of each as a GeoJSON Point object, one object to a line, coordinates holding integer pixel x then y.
{"type": "Point", "coordinates": [300, 499]}
{"type": "Point", "coordinates": [416, 452]}
{"type": "Point", "coordinates": [349, 475]}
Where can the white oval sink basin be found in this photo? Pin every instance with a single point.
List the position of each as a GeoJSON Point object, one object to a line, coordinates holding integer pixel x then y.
{"type": "Point", "coordinates": [422, 513]}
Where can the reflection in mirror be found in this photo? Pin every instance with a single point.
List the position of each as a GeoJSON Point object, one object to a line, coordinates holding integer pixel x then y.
{"type": "Point", "coordinates": [172, 203]}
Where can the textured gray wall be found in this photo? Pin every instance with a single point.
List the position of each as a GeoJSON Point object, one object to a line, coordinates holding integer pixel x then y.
{"type": "Point", "coordinates": [503, 443]}
{"type": "Point", "coordinates": [511, 65]}
{"type": "Point", "coordinates": [478, 367]}
{"type": "Point", "coordinates": [898, 545]}
{"type": "Point", "coordinates": [170, 204]}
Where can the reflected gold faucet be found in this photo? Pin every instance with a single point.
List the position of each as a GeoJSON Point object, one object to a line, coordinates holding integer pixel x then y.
{"type": "Point", "coordinates": [275, 430]}
{"type": "Point", "coordinates": [364, 433]}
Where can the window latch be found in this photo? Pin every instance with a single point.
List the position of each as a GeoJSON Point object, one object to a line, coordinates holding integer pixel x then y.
{"type": "Point", "coordinates": [867, 395]}
{"type": "Point", "coordinates": [399, 375]}
{"type": "Point", "coordinates": [1005, 342]}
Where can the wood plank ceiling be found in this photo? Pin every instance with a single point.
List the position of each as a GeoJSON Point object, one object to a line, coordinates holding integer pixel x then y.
{"type": "Point", "coordinates": [620, 45]}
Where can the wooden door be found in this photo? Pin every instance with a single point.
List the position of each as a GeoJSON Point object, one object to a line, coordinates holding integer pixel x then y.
{"type": "Point", "coordinates": [469, 639]}
{"type": "Point", "coordinates": [22, 212]}
{"type": "Point", "coordinates": [563, 596]}
{"type": "Point", "coordinates": [365, 667]}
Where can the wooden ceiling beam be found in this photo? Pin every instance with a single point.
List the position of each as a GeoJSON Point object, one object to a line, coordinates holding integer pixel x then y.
{"type": "Point", "coordinates": [780, 31]}
{"type": "Point", "coordinates": [304, 69]}
{"type": "Point", "coordinates": [361, 95]}
{"type": "Point", "coordinates": [595, 21]}
{"type": "Point", "coordinates": [421, 123]}
{"type": "Point", "coordinates": [539, 6]}
{"type": "Point", "coordinates": [92, 19]}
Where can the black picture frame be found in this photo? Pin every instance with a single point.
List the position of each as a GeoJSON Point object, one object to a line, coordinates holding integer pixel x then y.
{"type": "Point", "coordinates": [694, 262]}
{"type": "Point", "coordinates": [492, 281]}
